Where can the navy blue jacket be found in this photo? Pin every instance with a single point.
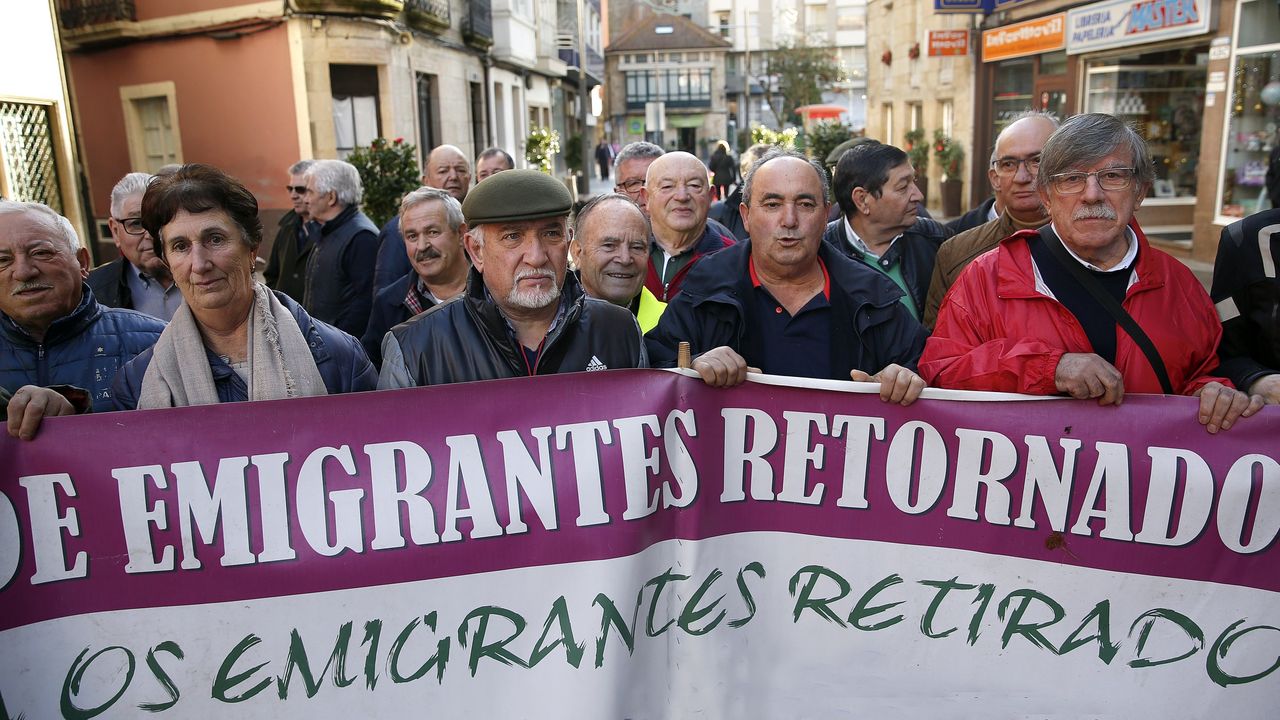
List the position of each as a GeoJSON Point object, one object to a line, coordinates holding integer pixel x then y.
{"type": "Point", "coordinates": [972, 219]}
{"type": "Point", "coordinates": [339, 358]}
{"type": "Point", "coordinates": [870, 327]}
{"type": "Point", "coordinates": [84, 349]}
{"type": "Point", "coordinates": [916, 250]}
{"type": "Point", "coordinates": [393, 260]}
{"type": "Point", "coordinates": [389, 311]}
{"type": "Point", "coordinates": [340, 271]}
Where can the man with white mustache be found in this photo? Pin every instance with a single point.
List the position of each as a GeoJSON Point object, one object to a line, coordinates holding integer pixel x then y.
{"type": "Point", "coordinates": [53, 331]}
{"type": "Point", "coordinates": [1085, 306]}
{"type": "Point", "coordinates": [521, 314]}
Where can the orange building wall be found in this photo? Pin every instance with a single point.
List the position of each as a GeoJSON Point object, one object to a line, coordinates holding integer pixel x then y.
{"type": "Point", "coordinates": [152, 9]}
{"type": "Point", "coordinates": [234, 105]}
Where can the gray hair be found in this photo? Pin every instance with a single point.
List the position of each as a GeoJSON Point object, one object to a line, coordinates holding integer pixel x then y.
{"type": "Point", "coordinates": [750, 156]}
{"type": "Point", "coordinates": [452, 208]}
{"type": "Point", "coordinates": [599, 200]}
{"type": "Point", "coordinates": [638, 149]}
{"type": "Point", "coordinates": [776, 153]}
{"type": "Point", "coordinates": [1086, 139]}
{"type": "Point", "coordinates": [60, 223]}
{"type": "Point", "coordinates": [1051, 117]}
{"type": "Point", "coordinates": [134, 183]}
{"type": "Point", "coordinates": [301, 167]}
{"type": "Point", "coordinates": [336, 176]}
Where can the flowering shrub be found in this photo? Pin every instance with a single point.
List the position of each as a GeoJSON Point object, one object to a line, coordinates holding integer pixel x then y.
{"type": "Point", "coordinates": [949, 155]}
{"type": "Point", "coordinates": [389, 170]}
{"type": "Point", "coordinates": [541, 147]}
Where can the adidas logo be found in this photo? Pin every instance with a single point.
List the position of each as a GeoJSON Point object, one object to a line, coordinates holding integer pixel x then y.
{"type": "Point", "coordinates": [595, 364]}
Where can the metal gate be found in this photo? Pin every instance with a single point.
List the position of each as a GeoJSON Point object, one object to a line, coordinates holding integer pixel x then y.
{"type": "Point", "coordinates": [28, 166]}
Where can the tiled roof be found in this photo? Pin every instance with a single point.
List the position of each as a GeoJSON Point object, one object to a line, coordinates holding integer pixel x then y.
{"type": "Point", "coordinates": [666, 32]}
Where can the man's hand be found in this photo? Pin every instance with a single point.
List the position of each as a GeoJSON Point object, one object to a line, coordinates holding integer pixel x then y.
{"type": "Point", "coordinates": [32, 404]}
{"type": "Point", "coordinates": [1085, 375]}
{"type": "Point", "coordinates": [722, 367]}
{"type": "Point", "coordinates": [897, 384]}
{"type": "Point", "coordinates": [1220, 406]}
{"type": "Point", "coordinates": [1267, 386]}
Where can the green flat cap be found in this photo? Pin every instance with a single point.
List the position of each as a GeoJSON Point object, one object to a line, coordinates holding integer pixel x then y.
{"type": "Point", "coordinates": [516, 195]}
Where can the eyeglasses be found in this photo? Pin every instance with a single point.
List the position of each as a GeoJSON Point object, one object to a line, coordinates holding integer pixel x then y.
{"type": "Point", "coordinates": [1071, 183]}
{"type": "Point", "coordinates": [133, 226]}
{"type": "Point", "coordinates": [298, 189]}
{"type": "Point", "coordinates": [632, 185]}
{"type": "Point", "coordinates": [1008, 167]}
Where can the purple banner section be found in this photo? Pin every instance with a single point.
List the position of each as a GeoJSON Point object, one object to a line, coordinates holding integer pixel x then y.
{"type": "Point", "coordinates": [240, 501]}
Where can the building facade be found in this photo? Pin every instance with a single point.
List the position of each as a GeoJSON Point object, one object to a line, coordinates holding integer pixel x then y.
{"type": "Point", "coordinates": [254, 86]}
{"type": "Point", "coordinates": [757, 28]}
{"type": "Point", "coordinates": [920, 78]}
{"type": "Point", "coordinates": [666, 84]}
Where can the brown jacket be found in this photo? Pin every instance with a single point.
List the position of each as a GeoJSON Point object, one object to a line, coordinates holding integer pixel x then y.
{"type": "Point", "coordinates": [956, 254]}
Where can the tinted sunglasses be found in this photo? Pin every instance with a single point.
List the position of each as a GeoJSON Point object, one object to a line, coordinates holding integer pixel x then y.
{"type": "Point", "coordinates": [299, 189]}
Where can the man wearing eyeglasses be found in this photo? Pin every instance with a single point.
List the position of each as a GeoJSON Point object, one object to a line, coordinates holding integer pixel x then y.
{"type": "Point", "coordinates": [630, 168]}
{"type": "Point", "coordinates": [1039, 315]}
{"type": "Point", "coordinates": [287, 269]}
{"type": "Point", "coordinates": [1014, 163]}
{"type": "Point", "coordinates": [138, 279]}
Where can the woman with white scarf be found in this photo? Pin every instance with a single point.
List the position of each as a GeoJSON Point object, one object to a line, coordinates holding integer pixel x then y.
{"type": "Point", "coordinates": [232, 339]}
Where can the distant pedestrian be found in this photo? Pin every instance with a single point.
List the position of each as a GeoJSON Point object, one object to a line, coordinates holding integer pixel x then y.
{"type": "Point", "coordinates": [604, 158]}
{"type": "Point", "coordinates": [724, 170]}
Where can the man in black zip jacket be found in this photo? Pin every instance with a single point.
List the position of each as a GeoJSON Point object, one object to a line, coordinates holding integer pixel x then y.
{"type": "Point", "coordinates": [522, 312]}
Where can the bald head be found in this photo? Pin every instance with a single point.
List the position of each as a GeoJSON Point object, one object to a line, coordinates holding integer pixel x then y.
{"type": "Point", "coordinates": [448, 170]}
{"type": "Point", "coordinates": [677, 194]}
{"type": "Point", "coordinates": [1012, 174]}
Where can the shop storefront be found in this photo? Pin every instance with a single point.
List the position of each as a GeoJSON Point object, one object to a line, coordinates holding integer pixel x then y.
{"type": "Point", "coordinates": [1025, 68]}
{"type": "Point", "coordinates": [1251, 141]}
{"type": "Point", "coordinates": [1148, 64]}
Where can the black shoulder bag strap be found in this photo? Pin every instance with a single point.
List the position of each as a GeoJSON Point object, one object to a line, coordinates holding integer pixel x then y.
{"type": "Point", "coordinates": [1104, 298]}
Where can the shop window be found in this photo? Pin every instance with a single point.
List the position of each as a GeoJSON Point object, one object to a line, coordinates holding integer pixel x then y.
{"type": "Point", "coordinates": [1162, 95]}
{"type": "Point", "coordinates": [1253, 122]}
{"type": "Point", "coordinates": [1014, 91]}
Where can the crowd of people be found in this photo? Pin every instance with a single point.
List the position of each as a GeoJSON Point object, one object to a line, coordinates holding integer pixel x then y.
{"type": "Point", "coordinates": [1049, 287]}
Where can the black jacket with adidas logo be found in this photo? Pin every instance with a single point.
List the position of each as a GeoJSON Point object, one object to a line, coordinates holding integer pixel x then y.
{"type": "Point", "coordinates": [467, 339]}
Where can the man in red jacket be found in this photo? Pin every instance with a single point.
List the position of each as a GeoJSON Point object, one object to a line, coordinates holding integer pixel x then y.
{"type": "Point", "coordinates": [1021, 317]}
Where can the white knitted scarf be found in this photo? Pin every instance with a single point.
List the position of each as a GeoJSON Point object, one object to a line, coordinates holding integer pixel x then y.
{"type": "Point", "coordinates": [280, 362]}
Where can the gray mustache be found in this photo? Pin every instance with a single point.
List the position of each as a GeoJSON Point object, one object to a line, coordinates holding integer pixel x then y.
{"type": "Point", "coordinates": [23, 287]}
{"type": "Point", "coordinates": [1094, 212]}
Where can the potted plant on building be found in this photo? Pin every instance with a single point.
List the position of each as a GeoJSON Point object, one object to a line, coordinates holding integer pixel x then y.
{"type": "Point", "coordinates": [950, 158]}
{"type": "Point", "coordinates": [388, 170]}
{"type": "Point", "coordinates": [540, 149]}
{"type": "Point", "coordinates": [918, 153]}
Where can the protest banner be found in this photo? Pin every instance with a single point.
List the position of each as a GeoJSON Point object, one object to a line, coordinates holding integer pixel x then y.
{"type": "Point", "coordinates": [634, 544]}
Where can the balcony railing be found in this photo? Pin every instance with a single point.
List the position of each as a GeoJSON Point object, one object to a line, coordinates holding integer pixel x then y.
{"type": "Point", "coordinates": [430, 15]}
{"type": "Point", "coordinates": [478, 29]}
{"type": "Point", "coordinates": [81, 13]}
{"type": "Point", "coordinates": [375, 8]}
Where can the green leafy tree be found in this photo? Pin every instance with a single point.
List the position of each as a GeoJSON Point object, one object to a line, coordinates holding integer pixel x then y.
{"type": "Point", "coordinates": [541, 148]}
{"type": "Point", "coordinates": [388, 170]}
{"type": "Point", "coordinates": [795, 75]}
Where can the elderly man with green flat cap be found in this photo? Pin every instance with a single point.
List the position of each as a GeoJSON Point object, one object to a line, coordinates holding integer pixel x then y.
{"type": "Point", "coordinates": [522, 313]}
